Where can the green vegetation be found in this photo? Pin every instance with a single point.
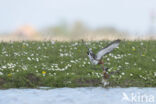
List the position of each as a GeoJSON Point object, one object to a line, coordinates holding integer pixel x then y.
{"type": "Point", "coordinates": [66, 64]}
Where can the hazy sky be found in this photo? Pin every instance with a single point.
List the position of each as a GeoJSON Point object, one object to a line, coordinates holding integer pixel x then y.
{"type": "Point", "coordinates": [131, 15]}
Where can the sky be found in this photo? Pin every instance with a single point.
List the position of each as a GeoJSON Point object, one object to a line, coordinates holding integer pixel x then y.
{"type": "Point", "coordinates": [129, 15]}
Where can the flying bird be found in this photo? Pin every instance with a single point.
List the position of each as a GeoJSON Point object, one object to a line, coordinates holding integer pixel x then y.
{"type": "Point", "coordinates": [97, 58]}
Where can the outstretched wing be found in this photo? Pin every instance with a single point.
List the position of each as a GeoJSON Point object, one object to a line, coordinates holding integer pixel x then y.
{"type": "Point", "coordinates": [107, 49]}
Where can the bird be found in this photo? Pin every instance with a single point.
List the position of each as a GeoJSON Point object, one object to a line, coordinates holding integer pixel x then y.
{"type": "Point", "coordinates": [97, 58]}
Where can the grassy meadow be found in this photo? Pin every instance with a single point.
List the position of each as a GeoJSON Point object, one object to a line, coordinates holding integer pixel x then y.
{"type": "Point", "coordinates": [66, 64]}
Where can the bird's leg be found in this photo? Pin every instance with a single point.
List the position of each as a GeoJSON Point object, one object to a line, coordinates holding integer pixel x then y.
{"type": "Point", "coordinates": [105, 70]}
{"type": "Point", "coordinates": [105, 74]}
{"type": "Point", "coordinates": [102, 63]}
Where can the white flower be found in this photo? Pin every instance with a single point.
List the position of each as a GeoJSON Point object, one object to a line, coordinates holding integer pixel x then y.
{"type": "Point", "coordinates": [123, 73]}
{"type": "Point", "coordinates": [72, 61]}
{"type": "Point", "coordinates": [39, 48]}
{"type": "Point", "coordinates": [37, 59]}
{"type": "Point", "coordinates": [32, 54]}
{"type": "Point", "coordinates": [153, 60]}
{"type": "Point", "coordinates": [4, 67]}
{"type": "Point", "coordinates": [115, 57]}
{"type": "Point", "coordinates": [60, 50]}
{"type": "Point", "coordinates": [29, 58]}
{"type": "Point", "coordinates": [52, 42]}
{"type": "Point", "coordinates": [1, 73]}
{"type": "Point", "coordinates": [133, 47]}
{"type": "Point", "coordinates": [108, 63]}
{"type": "Point", "coordinates": [108, 59]}
{"type": "Point", "coordinates": [131, 74]}
{"type": "Point", "coordinates": [140, 76]}
{"type": "Point", "coordinates": [120, 76]}
{"type": "Point", "coordinates": [86, 59]}
{"type": "Point", "coordinates": [75, 44]}
{"type": "Point", "coordinates": [119, 66]}
{"type": "Point", "coordinates": [24, 67]}
{"type": "Point", "coordinates": [61, 54]}
{"type": "Point", "coordinates": [126, 63]}
{"type": "Point", "coordinates": [141, 43]}
{"type": "Point", "coordinates": [144, 78]}
{"type": "Point", "coordinates": [66, 54]}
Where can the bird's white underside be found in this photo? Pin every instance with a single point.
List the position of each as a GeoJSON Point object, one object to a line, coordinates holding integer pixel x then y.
{"type": "Point", "coordinates": [93, 61]}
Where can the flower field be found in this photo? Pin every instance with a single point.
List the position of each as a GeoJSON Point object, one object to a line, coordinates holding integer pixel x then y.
{"type": "Point", "coordinates": [66, 64]}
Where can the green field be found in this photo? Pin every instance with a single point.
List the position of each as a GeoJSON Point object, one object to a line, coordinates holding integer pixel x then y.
{"type": "Point", "coordinates": [66, 64]}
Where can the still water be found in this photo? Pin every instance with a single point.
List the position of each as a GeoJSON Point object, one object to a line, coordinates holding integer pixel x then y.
{"type": "Point", "coordinates": [81, 95]}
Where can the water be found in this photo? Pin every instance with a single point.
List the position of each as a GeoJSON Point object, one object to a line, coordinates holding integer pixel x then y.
{"type": "Point", "coordinates": [82, 95]}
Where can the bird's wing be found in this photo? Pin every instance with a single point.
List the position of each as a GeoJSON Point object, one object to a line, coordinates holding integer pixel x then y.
{"type": "Point", "coordinates": [107, 49]}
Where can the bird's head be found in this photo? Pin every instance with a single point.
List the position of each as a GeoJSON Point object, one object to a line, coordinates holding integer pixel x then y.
{"type": "Point", "coordinates": [89, 51]}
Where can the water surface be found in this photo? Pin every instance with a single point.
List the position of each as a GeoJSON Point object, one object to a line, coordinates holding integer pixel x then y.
{"type": "Point", "coordinates": [82, 95]}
